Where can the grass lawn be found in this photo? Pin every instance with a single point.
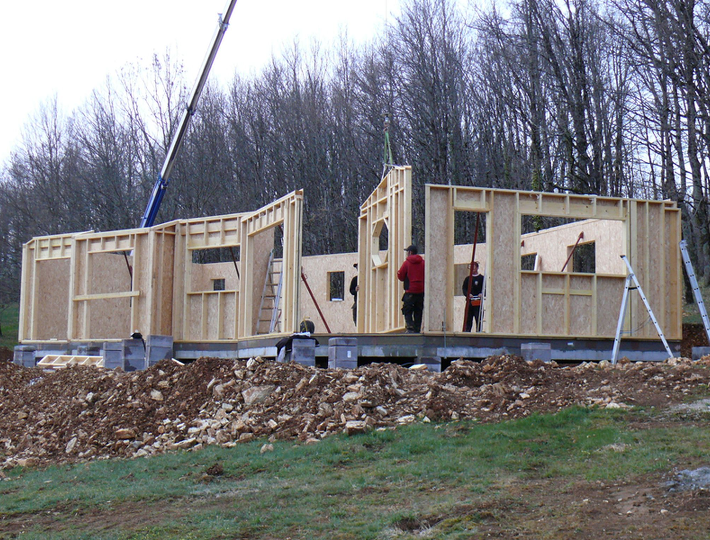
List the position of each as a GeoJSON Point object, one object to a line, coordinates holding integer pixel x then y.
{"type": "Point", "coordinates": [691, 313]}
{"type": "Point", "coordinates": [520, 479]}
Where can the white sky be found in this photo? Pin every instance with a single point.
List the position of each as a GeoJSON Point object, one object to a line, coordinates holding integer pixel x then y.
{"type": "Point", "coordinates": [68, 48]}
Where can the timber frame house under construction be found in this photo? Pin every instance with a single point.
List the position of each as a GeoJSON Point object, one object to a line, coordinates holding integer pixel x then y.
{"type": "Point", "coordinates": [84, 289]}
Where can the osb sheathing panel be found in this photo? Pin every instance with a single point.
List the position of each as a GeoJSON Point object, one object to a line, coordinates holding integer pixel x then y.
{"type": "Point", "coordinates": [53, 290]}
{"type": "Point", "coordinates": [338, 313]}
{"type": "Point", "coordinates": [202, 276]}
{"type": "Point", "coordinates": [195, 300]}
{"type": "Point", "coordinates": [100, 304]}
{"type": "Point", "coordinates": [554, 245]}
{"type": "Point", "coordinates": [110, 318]}
{"type": "Point", "coordinates": [530, 287]}
{"type": "Point", "coordinates": [647, 231]}
{"type": "Point", "coordinates": [504, 253]}
{"type": "Point", "coordinates": [106, 302]}
{"type": "Point", "coordinates": [196, 321]}
{"type": "Point", "coordinates": [439, 269]}
{"type": "Point", "coordinates": [257, 242]}
{"type": "Point", "coordinates": [653, 227]}
{"type": "Point", "coordinates": [608, 303]}
{"type": "Point", "coordinates": [389, 205]}
{"type": "Point", "coordinates": [162, 321]}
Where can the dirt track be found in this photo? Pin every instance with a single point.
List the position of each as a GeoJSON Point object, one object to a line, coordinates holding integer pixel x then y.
{"type": "Point", "coordinates": [86, 413]}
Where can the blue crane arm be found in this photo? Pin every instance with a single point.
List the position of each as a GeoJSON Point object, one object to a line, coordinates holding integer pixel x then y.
{"type": "Point", "coordinates": [156, 197]}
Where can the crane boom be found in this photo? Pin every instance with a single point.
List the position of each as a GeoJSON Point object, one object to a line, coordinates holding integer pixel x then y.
{"type": "Point", "coordinates": [156, 197]}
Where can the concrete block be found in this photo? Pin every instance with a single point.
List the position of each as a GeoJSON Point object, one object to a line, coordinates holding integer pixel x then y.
{"type": "Point", "coordinates": [87, 350]}
{"type": "Point", "coordinates": [133, 354]}
{"type": "Point", "coordinates": [536, 351]}
{"type": "Point", "coordinates": [698, 352]}
{"type": "Point", "coordinates": [342, 353]}
{"type": "Point", "coordinates": [24, 355]}
{"type": "Point", "coordinates": [303, 351]}
{"type": "Point", "coordinates": [113, 355]}
{"type": "Point", "coordinates": [342, 342]}
{"type": "Point", "coordinates": [158, 348]}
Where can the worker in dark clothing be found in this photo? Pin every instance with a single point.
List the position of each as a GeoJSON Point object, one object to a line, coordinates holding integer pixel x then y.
{"type": "Point", "coordinates": [354, 288]}
{"type": "Point", "coordinates": [412, 274]}
{"type": "Point", "coordinates": [475, 297]}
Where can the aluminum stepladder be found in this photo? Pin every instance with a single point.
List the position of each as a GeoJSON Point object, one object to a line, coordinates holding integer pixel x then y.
{"type": "Point", "coordinates": [696, 289]}
{"type": "Point", "coordinates": [270, 297]}
{"type": "Point", "coordinates": [631, 278]}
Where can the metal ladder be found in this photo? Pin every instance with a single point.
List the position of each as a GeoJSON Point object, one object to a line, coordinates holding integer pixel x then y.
{"type": "Point", "coordinates": [631, 278]}
{"type": "Point", "coordinates": [269, 311]}
{"type": "Point", "coordinates": [696, 288]}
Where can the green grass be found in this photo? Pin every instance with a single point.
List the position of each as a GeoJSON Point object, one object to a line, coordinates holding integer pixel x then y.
{"type": "Point", "coordinates": [360, 487]}
{"type": "Point", "coordinates": [691, 313]}
{"type": "Point", "coordinates": [9, 322]}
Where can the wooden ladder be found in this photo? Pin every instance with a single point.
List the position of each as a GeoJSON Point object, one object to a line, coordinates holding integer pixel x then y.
{"type": "Point", "coordinates": [269, 311]}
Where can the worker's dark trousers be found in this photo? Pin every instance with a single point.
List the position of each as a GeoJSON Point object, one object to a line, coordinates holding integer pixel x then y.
{"type": "Point", "coordinates": [412, 306]}
{"type": "Point", "coordinates": [473, 311]}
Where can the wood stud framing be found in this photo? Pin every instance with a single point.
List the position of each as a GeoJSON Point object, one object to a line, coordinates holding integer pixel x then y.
{"type": "Point", "coordinates": [388, 207]}
{"type": "Point", "coordinates": [521, 303]}
{"type": "Point", "coordinates": [77, 287]}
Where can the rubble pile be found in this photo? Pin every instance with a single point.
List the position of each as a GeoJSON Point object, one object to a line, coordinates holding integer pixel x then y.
{"type": "Point", "coordinates": [81, 413]}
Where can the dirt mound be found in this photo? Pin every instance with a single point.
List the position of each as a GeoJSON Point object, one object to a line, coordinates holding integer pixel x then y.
{"type": "Point", "coordinates": [87, 413]}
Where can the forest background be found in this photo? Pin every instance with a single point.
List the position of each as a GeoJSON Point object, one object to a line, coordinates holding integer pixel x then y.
{"type": "Point", "coordinates": [605, 97]}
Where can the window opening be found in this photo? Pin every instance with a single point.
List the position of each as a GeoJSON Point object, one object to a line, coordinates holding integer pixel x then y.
{"type": "Point", "coordinates": [527, 262]}
{"type": "Point", "coordinates": [215, 255]}
{"type": "Point", "coordinates": [337, 286]}
{"type": "Point", "coordinates": [584, 258]}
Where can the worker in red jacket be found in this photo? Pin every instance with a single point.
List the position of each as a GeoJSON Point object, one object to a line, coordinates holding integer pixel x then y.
{"type": "Point", "coordinates": [412, 274]}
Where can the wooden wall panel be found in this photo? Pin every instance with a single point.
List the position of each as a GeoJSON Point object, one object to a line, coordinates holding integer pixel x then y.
{"type": "Point", "coordinates": [553, 315]}
{"type": "Point", "coordinates": [439, 268]}
{"type": "Point", "coordinates": [110, 319]}
{"type": "Point", "coordinates": [553, 245]}
{"type": "Point", "coordinates": [171, 295]}
{"type": "Point", "coordinates": [530, 286]}
{"type": "Point", "coordinates": [673, 316]}
{"type": "Point", "coordinates": [257, 242]}
{"type": "Point", "coordinates": [584, 305]}
{"type": "Point", "coordinates": [389, 206]}
{"type": "Point", "coordinates": [608, 302]}
{"type": "Point", "coordinates": [53, 289]}
{"type": "Point", "coordinates": [338, 313]}
{"type": "Point", "coordinates": [503, 277]}
{"type": "Point", "coordinates": [580, 315]}
{"type": "Point", "coordinates": [194, 297]}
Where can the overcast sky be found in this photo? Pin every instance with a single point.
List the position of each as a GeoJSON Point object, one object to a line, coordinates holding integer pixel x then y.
{"type": "Point", "coordinates": [68, 48]}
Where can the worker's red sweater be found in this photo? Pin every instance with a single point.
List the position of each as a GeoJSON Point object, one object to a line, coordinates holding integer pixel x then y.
{"type": "Point", "coordinates": [412, 270]}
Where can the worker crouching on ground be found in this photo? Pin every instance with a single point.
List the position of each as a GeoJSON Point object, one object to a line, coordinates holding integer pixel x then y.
{"type": "Point", "coordinates": [412, 274]}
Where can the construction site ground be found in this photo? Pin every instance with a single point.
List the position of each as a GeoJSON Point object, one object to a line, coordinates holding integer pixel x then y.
{"type": "Point", "coordinates": [85, 413]}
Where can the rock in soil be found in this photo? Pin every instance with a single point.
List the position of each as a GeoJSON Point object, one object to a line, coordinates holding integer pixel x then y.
{"type": "Point", "coordinates": [84, 413]}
